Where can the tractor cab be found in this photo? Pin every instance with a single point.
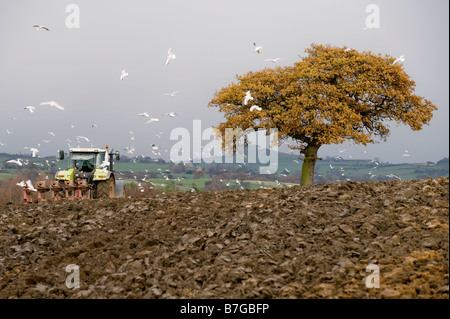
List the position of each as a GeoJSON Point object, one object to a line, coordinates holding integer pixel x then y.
{"type": "Point", "coordinates": [88, 160]}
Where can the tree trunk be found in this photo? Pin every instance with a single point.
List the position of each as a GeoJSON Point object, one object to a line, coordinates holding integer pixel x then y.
{"type": "Point", "coordinates": [308, 164]}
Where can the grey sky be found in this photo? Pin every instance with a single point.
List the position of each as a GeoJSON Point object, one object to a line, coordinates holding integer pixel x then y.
{"type": "Point", "coordinates": [80, 68]}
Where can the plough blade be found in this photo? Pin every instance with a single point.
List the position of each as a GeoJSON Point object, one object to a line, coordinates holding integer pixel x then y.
{"type": "Point", "coordinates": [42, 188]}
{"type": "Point", "coordinates": [59, 190]}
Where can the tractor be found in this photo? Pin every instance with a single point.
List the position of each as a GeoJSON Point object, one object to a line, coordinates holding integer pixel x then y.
{"type": "Point", "coordinates": [91, 175]}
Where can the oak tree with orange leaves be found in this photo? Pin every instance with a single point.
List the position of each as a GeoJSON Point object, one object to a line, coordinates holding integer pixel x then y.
{"type": "Point", "coordinates": [332, 95]}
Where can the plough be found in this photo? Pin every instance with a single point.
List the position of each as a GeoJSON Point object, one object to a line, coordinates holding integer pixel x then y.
{"type": "Point", "coordinates": [68, 190]}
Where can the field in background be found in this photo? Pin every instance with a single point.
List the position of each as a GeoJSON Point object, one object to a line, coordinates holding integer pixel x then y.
{"type": "Point", "coordinates": [146, 174]}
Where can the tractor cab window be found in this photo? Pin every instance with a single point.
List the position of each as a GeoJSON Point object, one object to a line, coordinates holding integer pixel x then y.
{"type": "Point", "coordinates": [84, 162]}
{"type": "Point", "coordinates": [101, 160]}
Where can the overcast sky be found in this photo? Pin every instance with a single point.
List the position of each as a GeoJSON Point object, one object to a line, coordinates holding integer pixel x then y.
{"type": "Point", "coordinates": [213, 41]}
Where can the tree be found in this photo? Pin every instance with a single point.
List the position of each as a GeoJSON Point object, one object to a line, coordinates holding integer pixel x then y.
{"type": "Point", "coordinates": [330, 96]}
{"type": "Point", "coordinates": [198, 173]}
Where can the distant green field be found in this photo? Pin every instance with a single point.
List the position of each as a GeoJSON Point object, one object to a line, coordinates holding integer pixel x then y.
{"type": "Point", "coordinates": [5, 176]}
{"type": "Point", "coordinates": [326, 170]}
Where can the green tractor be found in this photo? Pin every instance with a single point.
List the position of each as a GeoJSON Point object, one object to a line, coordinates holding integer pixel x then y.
{"type": "Point", "coordinates": [91, 175]}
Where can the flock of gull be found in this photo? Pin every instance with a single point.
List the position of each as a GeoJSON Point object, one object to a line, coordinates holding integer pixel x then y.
{"type": "Point", "coordinates": [155, 148]}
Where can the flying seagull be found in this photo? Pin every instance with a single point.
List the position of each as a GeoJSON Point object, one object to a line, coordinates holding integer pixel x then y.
{"type": "Point", "coordinates": [272, 60]}
{"type": "Point", "coordinates": [399, 59]}
{"type": "Point", "coordinates": [248, 97]}
{"type": "Point", "coordinates": [18, 162]}
{"type": "Point", "coordinates": [395, 176]}
{"type": "Point", "coordinates": [83, 138]}
{"type": "Point", "coordinates": [171, 114]}
{"type": "Point", "coordinates": [257, 48]}
{"type": "Point", "coordinates": [40, 27]}
{"type": "Point", "coordinates": [54, 104]}
{"type": "Point", "coordinates": [255, 107]}
{"type": "Point", "coordinates": [152, 120]}
{"type": "Point", "coordinates": [21, 184]}
{"type": "Point", "coordinates": [124, 74]}
{"type": "Point", "coordinates": [145, 114]}
{"type": "Point", "coordinates": [170, 56]}
{"type": "Point", "coordinates": [172, 94]}
{"type": "Point", "coordinates": [33, 151]}
{"type": "Point", "coordinates": [30, 186]}
{"type": "Point", "coordinates": [29, 108]}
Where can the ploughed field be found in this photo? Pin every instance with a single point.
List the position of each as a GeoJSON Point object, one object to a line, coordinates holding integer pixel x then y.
{"type": "Point", "coordinates": [298, 242]}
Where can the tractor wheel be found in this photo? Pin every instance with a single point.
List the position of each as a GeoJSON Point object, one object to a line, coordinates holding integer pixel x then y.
{"type": "Point", "coordinates": [106, 189]}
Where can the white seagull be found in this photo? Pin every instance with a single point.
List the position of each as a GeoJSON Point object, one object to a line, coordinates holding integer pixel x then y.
{"type": "Point", "coordinates": [170, 56]}
{"type": "Point", "coordinates": [8, 132]}
{"type": "Point", "coordinates": [171, 114]}
{"type": "Point", "coordinates": [54, 104]}
{"type": "Point", "coordinates": [29, 108]}
{"type": "Point", "coordinates": [83, 138]}
{"type": "Point", "coordinates": [34, 151]}
{"type": "Point", "coordinates": [399, 59]}
{"type": "Point", "coordinates": [18, 162]}
{"type": "Point", "coordinates": [255, 107]}
{"type": "Point", "coordinates": [30, 186]}
{"type": "Point", "coordinates": [41, 27]}
{"type": "Point", "coordinates": [272, 60]}
{"type": "Point", "coordinates": [394, 176]}
{"type": "Point", "coordinates": [257, 48]}
{"type": "Point", "coordinates": [172, 94]}
{"type": "Point", "coordinates": [145, 114]}
{"type": "Point", "coordinates": [248, 97]}
{"type": "Point", "coordinates": [21, 184]}
{"type": "Point", "coordinates": [152, 120]}
{"type": "Point", "coordinates": [124, 74]}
